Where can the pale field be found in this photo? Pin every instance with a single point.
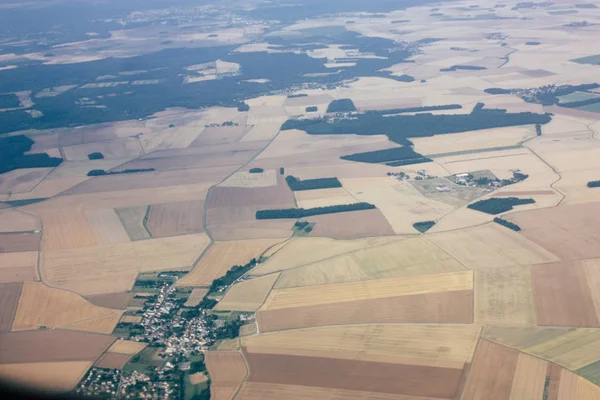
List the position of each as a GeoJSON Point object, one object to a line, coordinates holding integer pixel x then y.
{"type": "Point", "coordinates": [323, 197]}
{"type": "Point", "coordinates": [22, 180]}
{"type": "Point", "coordinates": [227, 371]}
{"type": "Point", "coordinates": [131, 319]}
{"type": "Point", "coordinates": [490, 246]}
{"type": "Point", "coordinates": [246, 179]}
{"type": "Point", "coordinates": [51, 376]}
{"type": "Point", "coordinates": [529, 378]}
{"type": "Point", "coordinates": [473, 140]}
{"type": "Point", "coordinates": [229, 345]}
{"type": "Point", "coordinates": [132, 219]}
{"type": "Point", "coordinates": [504, 296]}
{"type": "Point", "coordinates": [373, 289]}
{"type": "Point", "coordinates": [49, 187]}
{"type": "Point", "coordinates": [67, 229]}
{"type": "Point", "coordinates": [26, 259]}
{"type": "Point", "coordinates": [247, 295]}
{"type": "Point", "coordinates": [302, 251]}
{"type": "Point", "coordinates": [562, 124]}
{"type": "Point", "coordinates": [127, 347]}
{"type": "Point", "coordinates": [178, 137]}
{"type": "Point", "coordinates": [113, 268]}
{"type": "Point", "coordinates": [17, 221]}
{"type": "Point", "coordinates": [221, 256]}
{"type": "Point", "coordinates": [576, 387]}
{"type": "Point", "coordinates": [113, 149]}
{"type": "Point", "coordinates": [264, 129]}
{"type": "Point", "coordinates": [406, 258]}
{"type": "Point", "coordinates": [591, 270]}
{"type": "Point", "coordinates": [40, 305]}
{"type": "Point", "coordinates": [107, 227]}
{"type": "Point", "coordinates": [573, 350]}
{"type": "Point", "coordinates": [436, 345]}
{"type": "Point", "coordinates": [266, 109]}
{"type": "Point", "coordinates": [459, 219]}
{"type": "Point", "coordinates": [400, 202]}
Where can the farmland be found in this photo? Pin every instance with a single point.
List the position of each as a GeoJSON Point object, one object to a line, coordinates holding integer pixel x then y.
{"type": "Point", "coordinates": [386, 200]}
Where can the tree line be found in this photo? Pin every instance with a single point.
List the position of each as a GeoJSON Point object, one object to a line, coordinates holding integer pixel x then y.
{"type": "Point", "coordinates": [296, 213]}
{"type": "Point", "coordinates": [497, 205]}
{"type": "Point", "coordinates": [297, 185]}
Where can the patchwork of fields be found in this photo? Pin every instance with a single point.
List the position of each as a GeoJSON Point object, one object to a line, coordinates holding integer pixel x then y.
{"type": "Point", "coordinates": [411, 295]}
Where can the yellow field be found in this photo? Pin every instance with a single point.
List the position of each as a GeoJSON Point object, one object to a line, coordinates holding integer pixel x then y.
{"type": "Point", "coordinates": [134, 319]}
{"type": "Point", "coordinates": [108, 269]}
{"type": "Point", "coordinates": [69, 229]}
{"type": "Point", "coordinates": [529, 378]}
{"type": "Point", "coordinates": [592, 272]}
{"type": "Point", "coordinates": [404, 258]}
{"type": "Point", "coordinates": [572, 350]}
{"type": "Point", "coordinates": [374, 289]}
{"type": "Point", "coordinates": [107, 227]}
{"type": "Point", "coordinates": [52, 376]}
{"type": "Point", "coordinates": [504, 296]}
{"type": "Point", "coordinates": [41, 305]}
{"type": "Point", "coordinates": [490, 246]}
{"type": "Point", "coordinates": [246, 179]}
{"type": "Point", "coordinates": [247, 295]}
{"type": "Point", "coordinates": [127, 347]}
{"type": "Point", "coordinates": [400, 202]}
{"type": "Point", "coordinates": [132, 219]}
{"type": "Point", "coordinates": [229, 344]}
{"type": "Point", "coordinates": [323, 198]}
{"type": "Point", "coordinates": [521, 337]}
{"type": "Point", "coordinates": [196, 297]}
{"type": "Point", "coordinates": [221, 256]}
{"type": "Point", "coordinates": [482, 139]}
{"type": "Point", "coordinates": [303, 251]}
{"type": "Point", "coordinates": [17, 221]}
{"type": "Point", "coordinates": [442, 345]}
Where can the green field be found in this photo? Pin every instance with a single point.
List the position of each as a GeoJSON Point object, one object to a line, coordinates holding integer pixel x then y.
{"type": "Point", "coordinates": [594, 60]}
{"type": "Point", "coordinates": [591, 108]}
{"type": "Point", "coordinates": [591, 372]}
{"type": "Point", "coordinates": [578, 96]}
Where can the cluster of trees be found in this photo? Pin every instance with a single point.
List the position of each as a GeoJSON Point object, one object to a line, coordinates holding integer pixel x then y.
{"type": "Point", "coordinates": [231, 276]}
{"type": "Point", "coordinates": [294, 96]}
{"type": "Point", "coordinates": [297, 185]}
{"type": "Point", "coordinates": [392, 157]}
{"type": "Point", "coordinates": [243, 106]}
{"type": "Point", "coordinates": [593, 184]}
{"type": "Point", "coordinates": [399, 128]}
{"type": "Point", "coordinates": [507, 224]}
{"type": "Point", "coordinates": [423, 226]}
{"type": "Point", "coordinates": [297, 213]}
{"type": "Point", "coordinates": [96, 156]}
{"type": "Point", "coordinates": [303, 226]}
{"type": "Point", "coordinates": [256, 170]}
{"type": "Point", "coordinates": [101, 172]}
{"type": "Point", "coordinates": [230, 330]}
{"type": "Point", "coordinates": [341, 105]}
{"type": "Point", "coordinates": [12, 155]}
{"type": "Point", "coordinates": [403, 78]}
{"type": "Point", "coordinates": [312, 109]}
{"type": "Point", "coordinates": [497, 205]}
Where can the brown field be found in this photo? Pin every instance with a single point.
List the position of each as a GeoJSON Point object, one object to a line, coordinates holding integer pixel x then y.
{"type": "Point", "coordinates": [554, 374]}
{"type": "Point", "coordinates": [113, 360]}
{"type": "Point", "coordinates": [504, 296]}
{"type": "Point", "coordinates": [302, 251]}
{"type": "Point", "coordinates": [67, 229]}
{"type": "Point", "coordinates": [132, 219]}
{"type": "Point", "coordinates": [410, 257]}
{"type": "Point", "coordinates": [259, 391]}
{"type": "Point", "coordinates": [568, 231]}
{"type": "Point", "coordinates": [529, 378]}
{"type": "Point", "coordinates": [174, 219]}
{"type": "Point", "coordinates": [17, 221]}
{"type": "Point", "coordinates": [227, 371]}
{"type": "Point", "coordinates": [117, 301]}
{"type": "Point", "coordinates": [9, 299]}
{"type": "Point", "coordinates": [127, 347]}
{"type": "Point", "coordinates": [491, 373]}
{"type": "Point", "coordinates": [22, 180]}
{"type": "Point", "coordinates": [18, 267]}
{"type": "Point", "coordinates": [251, 229]}
{"type": "Point", "coordinates": [351, 225]}
{"type": "Point", "coordinates": [52, 346]}
{"type": "Point", "coordinates": [443, 345]}
{"type": "Point", "coordinates": [106, 269]}
{"type": "Point", "coordinates": [591, 269]}
{"type": "Point", "coordinates": [443, 307]}
{"type": "Point", "coordinates": [107, 226]}
{"type": "Point", "coordinates": [40, 305]}
{"type": "Point", "coordinates": [247, 295]}
{"type": "Point", "coordinates": [51, 376]}
{"type": "Point", "coordinates": [576, 387]}
{"type": "Point", "coordinates": [490, 246]}
{"type": "Point", "coordinates": [368, 376]}
{"type": "Point", "coordinates": [562, 296]}
{"type": "Point", "coordinates": [19, 242]}
{"type": "Point", "coordinates": [196, 297]}
{"type": "Point", "coordinates": [221, 256]}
